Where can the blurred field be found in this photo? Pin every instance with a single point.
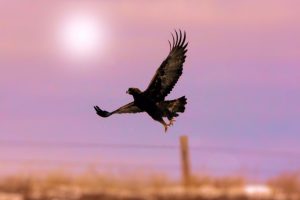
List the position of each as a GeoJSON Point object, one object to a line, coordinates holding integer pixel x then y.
{"type": "Point", "coordinates": [125, 181]}
{"type": "Point", "coordinates": [93, 186]}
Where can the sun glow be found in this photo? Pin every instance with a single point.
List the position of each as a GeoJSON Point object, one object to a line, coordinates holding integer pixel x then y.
{"type": "Point", "coordinates": [81, 36]}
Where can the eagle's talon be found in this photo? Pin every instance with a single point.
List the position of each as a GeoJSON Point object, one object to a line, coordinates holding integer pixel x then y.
{"type": "Point", "coordinates": [166, 128]}
{"type": "Point", "coordinates": [171, 122]}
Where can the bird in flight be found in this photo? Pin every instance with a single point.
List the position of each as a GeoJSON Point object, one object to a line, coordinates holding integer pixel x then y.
{"type": "Point", "coordinates": [152, 100]}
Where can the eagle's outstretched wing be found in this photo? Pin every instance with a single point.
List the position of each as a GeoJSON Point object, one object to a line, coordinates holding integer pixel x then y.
{"type": "Point", "coordinates": [170, 70]}
{"type": "Point", "coordinates": [128, 108]}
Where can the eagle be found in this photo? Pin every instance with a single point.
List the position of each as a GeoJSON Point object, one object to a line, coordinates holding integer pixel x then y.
{"type": "Point", "coordinates": [152, 100]}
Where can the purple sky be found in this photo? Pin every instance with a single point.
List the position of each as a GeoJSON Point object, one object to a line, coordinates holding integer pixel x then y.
{"type": "Point", "coordinates": [241, 78]}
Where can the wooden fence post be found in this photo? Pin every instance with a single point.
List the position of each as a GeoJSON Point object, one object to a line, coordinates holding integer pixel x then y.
{"type": "Point", "coordinates": [185, 162]}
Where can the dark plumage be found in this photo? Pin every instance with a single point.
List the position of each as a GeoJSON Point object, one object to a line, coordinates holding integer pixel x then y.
{"type": "Point", "coordinates": [152, 100]}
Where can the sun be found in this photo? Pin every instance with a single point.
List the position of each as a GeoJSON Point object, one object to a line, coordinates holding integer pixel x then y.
{"type": "Point", "coordinates": [81, 35]}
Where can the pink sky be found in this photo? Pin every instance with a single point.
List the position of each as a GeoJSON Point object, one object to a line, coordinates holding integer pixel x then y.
{"type": "Point", "coordinates": [241, 78]}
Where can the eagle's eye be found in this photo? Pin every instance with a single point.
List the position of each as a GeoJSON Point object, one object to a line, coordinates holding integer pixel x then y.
{"type": "Point", "coordinates": [129, 91]}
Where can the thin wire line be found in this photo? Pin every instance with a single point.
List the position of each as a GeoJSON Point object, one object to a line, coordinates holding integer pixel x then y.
{"type": "Point", "coordinates": [232, 150]}
{"type": "Point", "coordinates": [124, 166]}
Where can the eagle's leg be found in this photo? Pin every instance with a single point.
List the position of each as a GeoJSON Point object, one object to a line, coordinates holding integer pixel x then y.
{"type": "Point", "coordinates": [171, 122]}
{"type": "Point", "coordinates": [164, 124]}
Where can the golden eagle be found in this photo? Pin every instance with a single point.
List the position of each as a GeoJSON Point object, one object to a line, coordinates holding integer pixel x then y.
{"type": "Point", "coordinates": [152, 100]}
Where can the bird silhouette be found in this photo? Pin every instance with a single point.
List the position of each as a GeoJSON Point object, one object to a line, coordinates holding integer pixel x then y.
{"type": "Point", "coordinates": [152, 100]}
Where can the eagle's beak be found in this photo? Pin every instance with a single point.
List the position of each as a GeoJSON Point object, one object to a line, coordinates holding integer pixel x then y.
{"type": "Point", "coordinates": [127, 92]}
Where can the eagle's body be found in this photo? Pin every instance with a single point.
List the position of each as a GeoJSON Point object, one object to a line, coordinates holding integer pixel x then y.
{"type": "Point", "coordinates": [156, 110]}
{"type": "Point", "coordinates": [148, 105]}
{"type": "Point", "coordinates": [152, 100]}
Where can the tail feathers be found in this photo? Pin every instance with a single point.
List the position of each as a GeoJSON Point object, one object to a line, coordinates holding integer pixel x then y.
{"type": "Point", "coordinates": [171, 107]}
{"type": "Point", "coordinates": [178, 105]}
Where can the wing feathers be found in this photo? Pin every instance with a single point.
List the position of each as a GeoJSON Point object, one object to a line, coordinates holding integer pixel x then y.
{"type": "Point", "coordinates": [170, 70]}
{"type": "Point", "coordinates": [128, 108]}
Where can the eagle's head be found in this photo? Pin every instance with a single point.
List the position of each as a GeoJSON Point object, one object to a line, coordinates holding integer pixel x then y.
{"type": "Point", "coordinates": [133, 91]}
